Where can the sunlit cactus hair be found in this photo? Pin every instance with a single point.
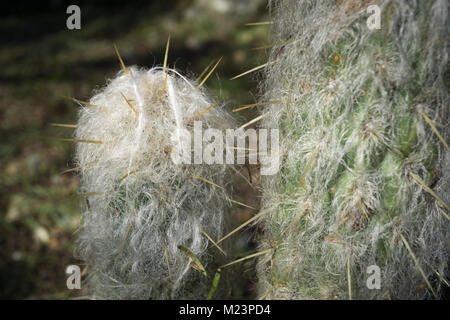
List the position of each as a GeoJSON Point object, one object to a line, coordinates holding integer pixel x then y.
{"type": "Point", "coordinates": [146, 220]}
{"type": "Point", "coordinates": [364, 176]}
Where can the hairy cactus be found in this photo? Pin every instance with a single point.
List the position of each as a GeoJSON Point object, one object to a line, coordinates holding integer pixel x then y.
{"type": "Point", "coordinates": [364, 160]}
{"type": "Point", "coordinates": [145, 217]}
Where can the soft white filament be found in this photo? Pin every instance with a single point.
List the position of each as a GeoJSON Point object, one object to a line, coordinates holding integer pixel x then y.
{"type": "Point", "coordinates": [144, 205]}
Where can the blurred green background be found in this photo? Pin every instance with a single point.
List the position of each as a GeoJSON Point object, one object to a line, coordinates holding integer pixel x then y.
{"type": "Point", "coordinates": [41, 61]}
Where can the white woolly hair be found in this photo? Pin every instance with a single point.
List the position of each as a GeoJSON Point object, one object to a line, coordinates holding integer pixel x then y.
{"type": "Point", "coordinates": [141, 205]}
{"type": "Point", "coordinates": [353, 129]}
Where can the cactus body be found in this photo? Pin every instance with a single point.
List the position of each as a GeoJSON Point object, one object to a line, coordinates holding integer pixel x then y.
{"type": "Point", "coordinates": [359, 157]}
{"type": "Point", "coordinates": [141, 206]}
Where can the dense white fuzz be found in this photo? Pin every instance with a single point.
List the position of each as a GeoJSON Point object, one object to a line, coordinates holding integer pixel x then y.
{"type": "Point", "coordinates": [146, 204]}
{"type": "Point", "coordinates": [352, 139]}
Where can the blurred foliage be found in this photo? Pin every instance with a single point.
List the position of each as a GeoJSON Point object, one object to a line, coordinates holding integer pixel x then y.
{"type": "Point", "coordinates": [41, 61]}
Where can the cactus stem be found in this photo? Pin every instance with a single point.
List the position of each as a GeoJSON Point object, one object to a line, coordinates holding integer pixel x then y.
{"type": "Point", "coordinates": [405, 242]}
